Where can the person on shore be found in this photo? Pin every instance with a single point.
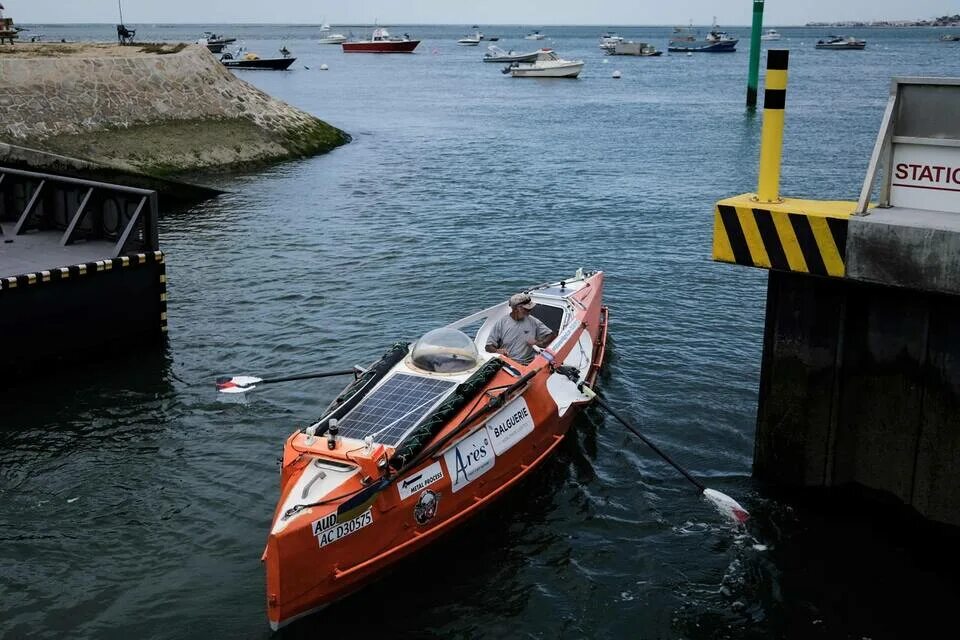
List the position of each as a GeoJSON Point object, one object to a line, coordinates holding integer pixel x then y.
{"type": "Point", "coordinates": [516, 334]}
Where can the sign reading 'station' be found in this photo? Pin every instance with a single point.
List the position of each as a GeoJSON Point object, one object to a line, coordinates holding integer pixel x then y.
{"type": "Point", "coordinates": [925, 177]}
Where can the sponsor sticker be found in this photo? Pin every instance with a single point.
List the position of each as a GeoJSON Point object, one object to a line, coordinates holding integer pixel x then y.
{"type": "Point", "coordinates": [344, 529]}
{"type": "Point", "coordinates": [469, 459]}
{"type": "Point", "coordinates": [420, 480]}
{"type": "Point", "coordinates": [426, 507]}
{"type": "Point", "coordinates": [510, 426]}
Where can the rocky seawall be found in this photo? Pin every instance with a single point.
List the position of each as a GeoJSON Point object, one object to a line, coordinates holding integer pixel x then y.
{"type": "Point", "coordinates": [157, 109]}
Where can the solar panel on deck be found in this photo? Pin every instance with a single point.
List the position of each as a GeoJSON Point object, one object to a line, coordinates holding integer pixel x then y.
{"type": "Point", "coordinates": [394, 407]}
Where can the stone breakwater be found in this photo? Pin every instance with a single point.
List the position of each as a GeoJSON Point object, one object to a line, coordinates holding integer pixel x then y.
{"type": "Point", "coordinates": [156, 109]}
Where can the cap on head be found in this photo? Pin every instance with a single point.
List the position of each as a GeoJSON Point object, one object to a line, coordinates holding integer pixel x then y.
{"type": "Point", "coordinates": [521, 300]}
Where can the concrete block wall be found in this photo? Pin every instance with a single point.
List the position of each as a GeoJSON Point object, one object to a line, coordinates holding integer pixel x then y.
{"type": "Point", "coordinates": [55, 95]}
{"type": "Point", "coordinates": [860, 384]}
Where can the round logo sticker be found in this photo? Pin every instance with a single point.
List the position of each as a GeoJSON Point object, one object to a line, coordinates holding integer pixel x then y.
{"type": "Point", "coordinates": [426, 507]}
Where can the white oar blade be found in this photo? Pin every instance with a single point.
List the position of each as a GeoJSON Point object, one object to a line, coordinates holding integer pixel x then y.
{"type": "Point", "coordinates": [237, 384]}
{"type": "Point", "coordinates": [727, 506]}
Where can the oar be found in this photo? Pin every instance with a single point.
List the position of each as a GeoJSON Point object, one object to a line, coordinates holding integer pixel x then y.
{"type": "Point", "coordinates": [726, 505]}
{"type": "Point", "coordinates": [242, 384]}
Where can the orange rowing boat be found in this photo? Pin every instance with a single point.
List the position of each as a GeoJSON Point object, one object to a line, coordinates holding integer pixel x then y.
{"type": "Point", "coordinates": [420, 441]}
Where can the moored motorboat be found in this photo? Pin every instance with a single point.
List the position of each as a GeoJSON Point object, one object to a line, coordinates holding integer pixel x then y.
{"type": "Point", "coordinates": [841, 43]}
{"type": "Point", "coordinates": [771, 34]}
{"type": "Point", "coordinates": [496, 54]}
{"type": "Point", "coordinates": [328, 37]}
{"type": "Point", "coordinates": [684, 40]}
{"type": "Point", "coordinates": [251, 60]}
{"type": "Point", "coordinates": [215, 38]}
{"type": "Point", "coordinates": [534, 35]}
{"type": "Point", "coordinates": [470, 41]}
{"type": "Point", "coordinates": [381, 42]}
{"type": "Point", "coordinates": [949, 37]}
{"type": "Point", "coordinates": [424, 439]}
{"type": "Point", "coordinates": [547, 65]}
{"type": "Point", "coordinates": [609, 40]}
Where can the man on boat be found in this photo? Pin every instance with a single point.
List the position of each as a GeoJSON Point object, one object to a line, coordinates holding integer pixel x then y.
{"type": "Point", "coordinates": [516, 334]}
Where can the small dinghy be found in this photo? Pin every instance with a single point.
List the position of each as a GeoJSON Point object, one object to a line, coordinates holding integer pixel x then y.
{"type": "Point", "coordinates": [420, 441]}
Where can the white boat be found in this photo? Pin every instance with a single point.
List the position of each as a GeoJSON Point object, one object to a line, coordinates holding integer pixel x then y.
{"type": "Point", "coordinates": [327, 37]}
{"type": "Point", "coordinates": [771, 34]}
{"type": "Point", "coordinates": [841, 43]}
{"type": "Point", "coordinates": [470, 41]}
{"type": "Point", "coordinates": [547, 65]}
{"type": "Point", "coordinates": [534, 35]}
{"type": "Point", "coordinates": [609, 40]}
{"type": "Point", "coordinates": [496, 54]}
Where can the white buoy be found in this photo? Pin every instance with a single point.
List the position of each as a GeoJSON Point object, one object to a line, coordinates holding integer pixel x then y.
{"type": "Point", "coordinates": [616, 74]}
{"type": "Point", "coordinates": [689, 53]}
{"type": "Point", "coordinates": [605, 61]}
{"type": "Point", "coordinates": [323, 67]}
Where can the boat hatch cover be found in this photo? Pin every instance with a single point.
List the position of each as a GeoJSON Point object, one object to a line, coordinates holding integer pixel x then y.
{"type": "Point", "coordinates": [393, 408]}
{"type": "Point", "coordinates": [557, 291]}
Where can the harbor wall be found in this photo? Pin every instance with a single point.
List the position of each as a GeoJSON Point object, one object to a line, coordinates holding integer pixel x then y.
{"type": "Point", "coordinates": [153, 108]}
{"type": "Point", "coordinates": [88, 310]}
{"type": "Point", "coordinates": [860, 386]}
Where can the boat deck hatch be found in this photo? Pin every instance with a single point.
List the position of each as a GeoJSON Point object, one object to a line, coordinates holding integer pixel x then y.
{"type": "Point", "coordinates": [394, 408]}
{"type": "Point", "coordinates": [557, 291]}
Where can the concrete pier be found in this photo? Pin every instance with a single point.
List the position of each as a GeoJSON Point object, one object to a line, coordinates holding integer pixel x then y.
{"type": "Point", "coordinates": [158, 109]}
{"type": "Point", "coordinates": [860, 380]}
{"type": "Point", "coordinates": [81, 273]}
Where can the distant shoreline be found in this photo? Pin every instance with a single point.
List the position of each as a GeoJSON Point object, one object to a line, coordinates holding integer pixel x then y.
{"type": "Point", "coordinates": [600, 25]}
{"type": "Point", "coordinates": [942, 21]}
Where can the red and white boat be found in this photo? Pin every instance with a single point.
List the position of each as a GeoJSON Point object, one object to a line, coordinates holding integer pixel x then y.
{"type": "Point", "coordinates": [381, 42]}
{"type": "Point", "coordinates": [420, 441]}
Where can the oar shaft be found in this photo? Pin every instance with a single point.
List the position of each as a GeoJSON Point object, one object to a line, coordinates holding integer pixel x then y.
{"type": "Point", "coordinates": [650, 444]}
{"type": "Point", "coordinates": [308, 376]}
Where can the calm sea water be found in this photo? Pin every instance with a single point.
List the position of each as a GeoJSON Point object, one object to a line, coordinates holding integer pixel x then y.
{"type": "Point", "coordinates": [134, 504]}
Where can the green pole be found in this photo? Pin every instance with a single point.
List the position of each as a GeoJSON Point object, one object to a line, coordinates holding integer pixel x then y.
{"type": "Point", "coordinates": [754, 54]}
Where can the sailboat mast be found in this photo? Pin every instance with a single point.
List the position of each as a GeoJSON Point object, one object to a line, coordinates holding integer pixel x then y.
{"type": "Point", "coordinates": [120, 7]}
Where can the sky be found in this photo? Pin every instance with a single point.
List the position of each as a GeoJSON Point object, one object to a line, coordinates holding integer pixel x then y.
{"type": "Point", "coordinates": [469, 12]}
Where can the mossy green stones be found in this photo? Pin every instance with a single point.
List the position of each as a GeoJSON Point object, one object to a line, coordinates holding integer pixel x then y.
{"type": "Point", "coordinates": [313, 137]}
{"type": "Point", "coordinates": [178, 146]}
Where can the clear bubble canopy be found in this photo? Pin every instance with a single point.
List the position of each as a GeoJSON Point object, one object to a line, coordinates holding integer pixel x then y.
{"type": "Point", "coordinates": [445, 350]}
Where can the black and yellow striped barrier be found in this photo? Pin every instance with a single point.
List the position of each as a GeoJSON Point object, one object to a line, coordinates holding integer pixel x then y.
{"type": "Point", "coordinates": [804, 236]}
{"type": "Point", "coordinates": [767, 231]}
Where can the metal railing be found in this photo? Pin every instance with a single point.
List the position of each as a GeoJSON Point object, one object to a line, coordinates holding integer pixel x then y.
{"type": "Point", "coordinates": [81, 210]}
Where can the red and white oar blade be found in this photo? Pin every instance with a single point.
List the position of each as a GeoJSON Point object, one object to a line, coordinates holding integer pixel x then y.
{"type": "Point", "coordinates": [727, 506]}
{"type": "Point", "coordinates": [237, 384]}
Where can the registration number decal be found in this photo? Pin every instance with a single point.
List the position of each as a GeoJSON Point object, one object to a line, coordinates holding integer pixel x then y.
{"type": "Point", "coordinates": [344, 529]}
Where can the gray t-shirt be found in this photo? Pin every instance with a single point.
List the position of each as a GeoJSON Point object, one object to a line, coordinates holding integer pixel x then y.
{"type": "Point", "coordinates": [512, 335]}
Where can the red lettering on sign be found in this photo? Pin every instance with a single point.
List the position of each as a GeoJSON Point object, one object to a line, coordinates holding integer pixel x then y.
{"type": "Point", "coordinates": [901, 171]}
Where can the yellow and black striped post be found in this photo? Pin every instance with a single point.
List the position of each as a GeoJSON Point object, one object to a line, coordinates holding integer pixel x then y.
{"type": "Point", "coordinates": [771, 138]}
